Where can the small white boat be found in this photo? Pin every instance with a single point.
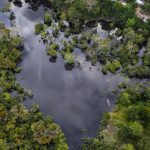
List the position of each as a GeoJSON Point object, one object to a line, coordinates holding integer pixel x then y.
{"type": "Point", "coordinates": [108, 102]}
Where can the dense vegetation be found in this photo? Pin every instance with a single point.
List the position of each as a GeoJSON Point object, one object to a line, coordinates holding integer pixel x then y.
{"type": "Point", "coordinates": [127, 127]}
{"type": "Point", "coordinates": [78, 12]}
{"type": "Point", "coordinates": [118, 52]}
{"type": "Point", "coordinates": [21, 128]}
{"type": "Point", "coordinates": [146, 6]}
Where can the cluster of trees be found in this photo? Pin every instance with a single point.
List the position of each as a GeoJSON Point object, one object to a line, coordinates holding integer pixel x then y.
{"type": "Point", "coordinates": [21, 128]}
{"type": "Point", "coordinates": [77, 12]}
{"type": "Point", "coordinates": [146, 6]}
{"type": "Point", "coordinates": [128, 126]}
{"type": "Point", "coordinates": [142, 70]}
{"type": "Point", "coordinates": [113, 54]}
{"type": "Point", "coordinates": [49, 32]}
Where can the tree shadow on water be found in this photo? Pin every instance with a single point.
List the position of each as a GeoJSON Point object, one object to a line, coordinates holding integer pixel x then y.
{"type": "Point", "coordinates": [33, 4]}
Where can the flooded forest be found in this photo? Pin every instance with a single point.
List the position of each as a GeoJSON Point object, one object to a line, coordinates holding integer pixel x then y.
{"type": "Point", "coordinates": [74, 75]}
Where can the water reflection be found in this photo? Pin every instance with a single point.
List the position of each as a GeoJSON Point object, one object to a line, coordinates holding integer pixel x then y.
{"type": "Point", "coordinates": [76, 99]}
{"type": "Point", "coordinates": [3, 3]}
{"type": "Point", "coordinates": [4, 17]}
{"type": "Point", "coordinates": [17, 3]}
{"type": "Point", "coordinates": [32, 4]}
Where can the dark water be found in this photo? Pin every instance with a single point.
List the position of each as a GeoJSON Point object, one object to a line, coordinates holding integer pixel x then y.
{"type": "Point", "coordinates": [75, 99]}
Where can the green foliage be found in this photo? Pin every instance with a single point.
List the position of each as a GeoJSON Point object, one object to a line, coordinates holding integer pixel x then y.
{"type": "Point", "coordinates": [144, 143]}
{"type": "Point", "coordinates": [104, 70]}
{"type": "Point", "coordinates": [54, 46]}
{"type": "Point", "coordinates": [138, 71]}
{"type": "Point", "coordinates": [116, 55]}
{"type": "Point", "coordinates": [21, 128]}
{"type": "Point", "coordinates": [146, 6]}
{"type": "Point", "coordinates": [62, 25]}
{"type": "Point", "coordinates": [113, 66]}
{"type": "Point", "coordinates": [129, 131]}
{"type": "Point", "coordinates": [44, 131]}
{"type": "Point", "coordinates": [146, 59]}
{"type": "Point", "coordinates": [69, 58]}
{"type": "Point", "coordinates": [124, 99]}
{"type": "Point", "coordinates": [78, 11]}
{"type": "Point", "coordinates": [39, 28]}
{"type": "Point", "coordinates": [52, 50]}
{"type": "Point", "coordinates": [130, 22]}
{"type": "Point", "coordinates": [126, 128]}
{"type": "Point", "coordinates": [47, 18]}
{"type": "Point", "coordinates": [127, 147]}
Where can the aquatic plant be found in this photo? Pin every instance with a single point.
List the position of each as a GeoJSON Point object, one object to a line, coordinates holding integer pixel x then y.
{"type": "Point", "coordinates": [104, 70]}
{"type": "Point", "coordinates": [62, 25]}
{"type": "Point", "coordinates": [67, 33]}
{"type": "Point", "coordinates": [55, 32]}
{"type": "Point", "coordinates": [47, 19]}
{"type": "Point", "coordinates": [52, 50]}
{"type": "Point", "coordinates": [69, 58]}
{"type": "Point", "coordinates": [39, 28]}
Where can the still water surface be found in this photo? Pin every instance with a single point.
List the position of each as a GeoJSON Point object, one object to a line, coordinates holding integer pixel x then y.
{"type": "Point", "coordinates": [75, 99]}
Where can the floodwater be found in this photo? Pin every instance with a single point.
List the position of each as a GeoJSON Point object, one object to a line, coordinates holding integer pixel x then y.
{"type": "Point", "coordinates": [75, 99]}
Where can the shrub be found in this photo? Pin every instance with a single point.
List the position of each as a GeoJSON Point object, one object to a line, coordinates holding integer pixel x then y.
{"type": "Point", "coordinates": [69, 58]}
{"type": "Point", "coordinates": [47, 19]}
{"type": "Point", "coordinates": [39, 28]}
{"type": "Point", "coordinates": [52, 52]}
